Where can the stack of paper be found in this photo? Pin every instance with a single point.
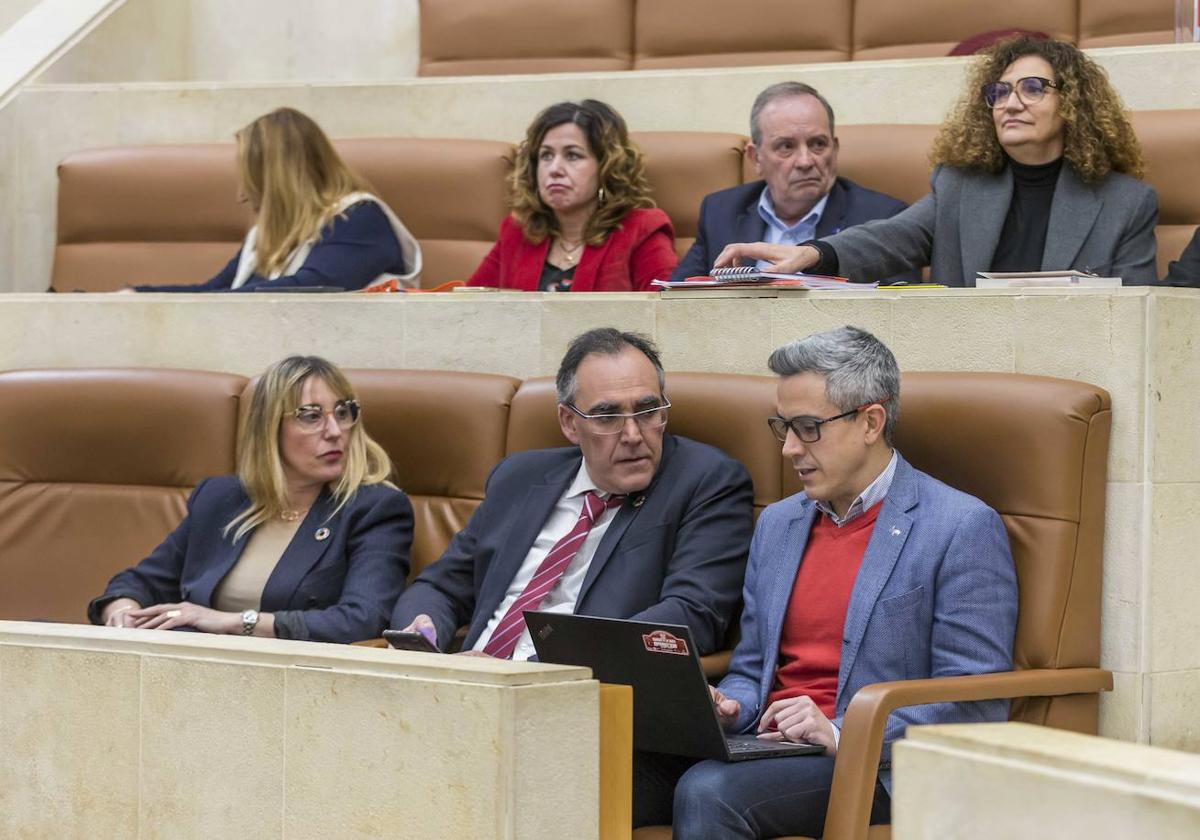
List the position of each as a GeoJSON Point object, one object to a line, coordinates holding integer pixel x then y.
{"type": "Point", "coordinates": [1043, 279]}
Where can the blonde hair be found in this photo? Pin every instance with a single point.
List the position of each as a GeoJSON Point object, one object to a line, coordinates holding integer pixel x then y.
{"type": "Point", "coordinates": [293, 178]}
{"type": "Point", "coordinates": [260, 466]}
{"type": "Point", "coordinates": [1097, 135]}
{"type": "Point", "coordinates": [622, 171]}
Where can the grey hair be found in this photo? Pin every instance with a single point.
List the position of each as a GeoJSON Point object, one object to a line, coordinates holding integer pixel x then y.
{"type": "Point", "coordinates": [859, 369]}
{"type": "Point", "coordinates": [783, 90]}
{"type": "Point", "coordinates": [606, 341]}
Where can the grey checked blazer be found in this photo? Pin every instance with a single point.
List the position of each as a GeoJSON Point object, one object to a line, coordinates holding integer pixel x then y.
{"type": "Point", "coordinates": [1105, 228]}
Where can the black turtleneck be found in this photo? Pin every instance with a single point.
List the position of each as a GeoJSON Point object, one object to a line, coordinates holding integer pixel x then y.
{"type": "Point", "coordinates": [1023, 238]}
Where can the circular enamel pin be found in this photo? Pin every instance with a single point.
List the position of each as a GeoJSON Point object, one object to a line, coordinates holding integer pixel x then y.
{"type": "Point", "coordinates": [322, 534]}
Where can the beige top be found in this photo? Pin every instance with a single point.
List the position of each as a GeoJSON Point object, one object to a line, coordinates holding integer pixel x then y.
{"type": "Point", "coordinates": [242, 588]}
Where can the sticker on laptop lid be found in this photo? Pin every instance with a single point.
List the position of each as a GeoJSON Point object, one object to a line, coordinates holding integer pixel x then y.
{"type": "Point", "coordinates": [660, 641]}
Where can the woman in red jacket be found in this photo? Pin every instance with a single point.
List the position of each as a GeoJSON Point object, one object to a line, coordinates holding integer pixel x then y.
{"type": "Point", "coordinates": [582, 217]}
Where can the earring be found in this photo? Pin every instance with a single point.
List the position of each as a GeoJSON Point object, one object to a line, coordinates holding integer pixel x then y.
{"type": "Point", "coordinates": [600, 196]}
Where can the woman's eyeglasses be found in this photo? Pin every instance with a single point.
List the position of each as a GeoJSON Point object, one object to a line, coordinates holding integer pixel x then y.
{"type": "Point", "coordinates": [311, 417]}
{"type": "Point", "coordinates": [1029, 90]}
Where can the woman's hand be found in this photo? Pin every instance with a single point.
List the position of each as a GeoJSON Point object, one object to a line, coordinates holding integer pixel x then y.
{"type": "Point", "coordinates": [116, 612]}
{"type": "Point", "coordinates": [785, 259]}
{"type": "Point", "coordinates": [185, 614]}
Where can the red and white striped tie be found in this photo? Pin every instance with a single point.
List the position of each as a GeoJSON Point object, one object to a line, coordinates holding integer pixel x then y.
{"type": "Point", "coordinates": [547, 576]}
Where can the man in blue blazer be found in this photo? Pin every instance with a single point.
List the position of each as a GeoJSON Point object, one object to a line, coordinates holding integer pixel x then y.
{"type": "Point", "coordinates": [875, 572]}
{"type": "Point", "coordinates": [800, 197]}
{"type": "Point", "coordinates": [666, 542]}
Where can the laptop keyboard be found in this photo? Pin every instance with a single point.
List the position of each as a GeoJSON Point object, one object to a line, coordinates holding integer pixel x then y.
{"type": "Point", "coordinates": [739, 746]}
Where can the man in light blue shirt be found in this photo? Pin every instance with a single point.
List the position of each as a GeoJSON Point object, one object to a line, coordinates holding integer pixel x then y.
{"type": "Point", "coordinates": [800, 197]}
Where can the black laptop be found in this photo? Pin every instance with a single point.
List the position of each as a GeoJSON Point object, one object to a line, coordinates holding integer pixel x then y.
{"type": "Point", "coordinates": [672, 709]}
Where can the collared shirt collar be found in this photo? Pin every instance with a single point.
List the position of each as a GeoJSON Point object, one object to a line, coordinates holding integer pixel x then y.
{"type": "Point", "coordinates": [868, 498]}
{"type": "Point", "coordinates": [583, 483]}
{"type": "Point", "coordinates": [766, 209]}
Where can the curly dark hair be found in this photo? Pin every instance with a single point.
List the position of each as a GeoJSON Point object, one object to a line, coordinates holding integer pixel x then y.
{"type": "Point", "coordinates": [1098, 137]}
{"type": "Point", "coordinates": [622, 171]}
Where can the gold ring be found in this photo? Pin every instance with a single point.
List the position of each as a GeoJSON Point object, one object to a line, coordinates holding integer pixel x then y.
{"type": "Point", "coordinates": [174, 613]}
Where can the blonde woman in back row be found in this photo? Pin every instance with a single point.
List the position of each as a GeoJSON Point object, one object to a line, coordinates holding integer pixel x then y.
{"type": "Point", "coordinates": [317, 223]}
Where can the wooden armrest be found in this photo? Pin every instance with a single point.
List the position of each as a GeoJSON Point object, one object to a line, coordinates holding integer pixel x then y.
{"type": "Point", "coordinates": [861, 741]}
{"type": "Point", "coordinates": [716, 665]}
{"type": "Point", "coordinates": [376, 643]}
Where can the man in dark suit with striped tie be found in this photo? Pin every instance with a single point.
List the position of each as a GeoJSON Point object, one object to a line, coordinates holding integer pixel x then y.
{"type": "Point", "coordinates": [629, 522]}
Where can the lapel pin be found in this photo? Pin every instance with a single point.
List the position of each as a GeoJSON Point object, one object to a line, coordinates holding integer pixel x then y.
{"type": "Point", "coordinates": [322, 534]}
{"type": "Point", "coordinates": [637, 502]}
{"type": "Point", "coordinates": [895, 532]}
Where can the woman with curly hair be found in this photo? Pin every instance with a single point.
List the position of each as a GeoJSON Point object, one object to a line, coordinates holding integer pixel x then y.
{"type": "Point", "coordinates": [582, 217]}
{"type": "Point", "coordinates": [1036, 169]}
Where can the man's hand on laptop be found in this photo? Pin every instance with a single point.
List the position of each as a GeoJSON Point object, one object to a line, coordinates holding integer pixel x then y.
{"type": "Point", "coordinates": [797, 719]}
{"type": "Point", "coordinates": [423, 624]}
{"type": "Point", "coordinates": [727, 708]}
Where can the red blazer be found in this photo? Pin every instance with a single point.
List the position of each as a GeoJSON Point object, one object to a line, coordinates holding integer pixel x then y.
{"type": "Point", "coordinates": [640, 250]}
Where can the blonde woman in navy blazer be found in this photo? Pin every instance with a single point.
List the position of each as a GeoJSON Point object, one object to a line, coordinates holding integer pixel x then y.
{"type": "Point", "coordinates": [309, 538]}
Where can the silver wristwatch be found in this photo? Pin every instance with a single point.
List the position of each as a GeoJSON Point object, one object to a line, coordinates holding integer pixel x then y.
{"type": "Point", "coordinates": [249, 622]}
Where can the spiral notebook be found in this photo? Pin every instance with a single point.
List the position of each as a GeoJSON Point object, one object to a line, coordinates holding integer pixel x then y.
{"type": "Point", "coordinates": [748, 275]}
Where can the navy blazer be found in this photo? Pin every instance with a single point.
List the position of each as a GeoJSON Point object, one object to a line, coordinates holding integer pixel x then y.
{"type": "Point", "coordinates": [343, 586]}
{"type": "Point", "coordinates": [935, 596]}
{"type": "Point", "coordinates": [731, 215]}
{"type": "Point", "coordinates": [351, 251]}
{"type": "Point", "coordinates": [676, 557]}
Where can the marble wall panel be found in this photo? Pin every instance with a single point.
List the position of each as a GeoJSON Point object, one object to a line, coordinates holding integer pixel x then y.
{"type": "Point", "coordinates": [1174, 580]}
{"type": "Point", "coordinates": [992, 781]}
{"type": "Point", "coordinates": [1122, 710]}
{"type": "Point", "coordinates": [1175, 385]}
{"type": "Point", "coordinates": [1094, 337]}
{"type": "Point", "coordinates": [1123, 573]}
{"type": "Point", "coordinates": [203, 725]}
{"type": "Point", "coordinates": [69, 728]}
{"type": "Point", "coordinates": [1173, 720]}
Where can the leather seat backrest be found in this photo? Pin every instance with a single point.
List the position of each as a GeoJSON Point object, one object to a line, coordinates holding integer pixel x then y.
{"type": "Point", "coordinates": [685, 166]}
{"type": "Point", "coordinates": [727, 411]}
{"type": "Point", "coordinates": [892, 159]}
{"type": "Point", "coordinates": [146, 215]}
{"type": "Point", "coordinates": [917, 28]}
{"type": "Point", "coordinates": [483, 37]}
{"type": "Point", "coordinates": [1171, 143]}
{"type": "Point", "coordinates": [95, 467]}
{"type": "Point", "coordinates": [717, 33]}
{"type": "Point", "coordinates": [1119, 23]}
{"type": "Point", "coordinates": [450, 194]}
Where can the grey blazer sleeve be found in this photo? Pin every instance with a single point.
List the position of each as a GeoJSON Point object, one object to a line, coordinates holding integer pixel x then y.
{"type": "Point", "coordinates": [886, 247]}
{"type": "Point", "coordinates": [1135, 258]}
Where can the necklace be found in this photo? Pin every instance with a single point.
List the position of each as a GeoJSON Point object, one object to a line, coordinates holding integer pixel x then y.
{"type": "Point", "coordinates": [569, 254]}
{"type": "Point", "coordinates": [292, 515]}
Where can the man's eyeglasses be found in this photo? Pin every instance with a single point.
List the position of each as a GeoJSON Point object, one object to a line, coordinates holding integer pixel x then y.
{"type": "Point", "coordinates": [1029, 90]}
{"type": "Point", "coordinates": [808, 429]}
{"type": "Point", "coordinates": [647, 419]}
{"type": "Point", "coordinates": [311, 417]}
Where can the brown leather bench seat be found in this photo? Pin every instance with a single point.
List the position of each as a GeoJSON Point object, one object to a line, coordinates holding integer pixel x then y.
{"type": "Point", "coordinates": [169, 214]}
{"type": "Point", "coordinates": [482, 37]}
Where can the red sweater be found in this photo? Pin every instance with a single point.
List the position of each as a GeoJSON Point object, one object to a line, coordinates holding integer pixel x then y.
{"type": "Point", "coordinates": [640, 250]}
{"type": "Point", "coordinates": [810, 646]}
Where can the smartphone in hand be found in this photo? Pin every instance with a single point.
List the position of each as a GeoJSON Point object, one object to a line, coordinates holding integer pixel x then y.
{"type": "Point", "coordinates": [409, 640]}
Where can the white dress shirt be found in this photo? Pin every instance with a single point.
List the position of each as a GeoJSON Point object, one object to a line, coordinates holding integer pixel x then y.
{"type": "Point", "coordinates": [562, 597]}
